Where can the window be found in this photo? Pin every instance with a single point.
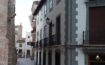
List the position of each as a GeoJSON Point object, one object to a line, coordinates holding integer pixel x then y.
{"type": "Point", "coordinates": [28, 36]}
{"type": "Point", "coordinates": [40, 58]}
{"type": "Point", "coordinates": [20, 45]}
{"type": "Point", "coordinates": [45, 10]}
{"type": "Point", "coordinates": [58, 29]}
{"type": "Point", "coordinates": [20, 51]}
{"type": "Point", "coordinates": [51, 4]}
{"type": "Point", "coordinates": [57, 1]}
{"type": "Point", "coordinates": [40, 34]}
{"type": "Point", "coordinates": [57, 57]}
{"type": "Point", "coordinates": [50, 57]}
{"type": "Point", "coordinates": [28, 53]}
{"type": "Point", "coordinates": [37, 36]}
{"type": "Point", "coordinates": [97, 25]}
{"type": "Point", "coordinates": [36, 58]}
{"type": "Point", "coordinates": [45, 31]}
{"type": "Point", "coordinates": [28, 43]}
{"type": "Point", "coordinates": [44, 58]}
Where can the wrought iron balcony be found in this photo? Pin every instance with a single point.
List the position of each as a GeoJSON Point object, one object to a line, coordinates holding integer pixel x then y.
{"type": "Point", "coordinates": [52, 40]}
{"type": "Point", "coordinates": [40, 44]}
{"type": "Point", "coordinates": [93, 46]}
{"type": "Point", "coordinates": [45, 42]}
{"type": "Point", "coordinates": [36, 45]}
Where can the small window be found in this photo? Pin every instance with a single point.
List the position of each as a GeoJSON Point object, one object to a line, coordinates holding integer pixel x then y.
{"type": "Point", "coordinates": [45, 10]}
{"type": "Point", "coordinates": [40, 34]}
{"type": "Point", "coordinates": [20, 51]}
{"type": "Point", "coordinates": [45, 31]}
{"type": "Point", "coordinates": [20, 45]}
{"type": "Point", "coordinates": [58, 29]}
{"type": "Point", "coordinates": [28, 36]}
{"type": "Point", "coordinates": [51, 4]}
{"type": "Point", "coordinates": [57, 1]}
{"type": "Point", "coordinates": [28, 43]}
{"type": "Point", "coordinates": [50, 57]}
{"type": "Point", "coordinates": [57, 57]}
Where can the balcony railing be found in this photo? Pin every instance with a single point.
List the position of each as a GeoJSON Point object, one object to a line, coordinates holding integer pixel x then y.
{"type": "Point", "coordinates": [40, 44]}
{"type": "Point", "coordinates": [52, 40]}
{"type": "Point", "coordinates": [92, 46]}
{"type": "Point", "coordinates": [36, 45]}
{"type": "Point", "coordinates": [45, 42]}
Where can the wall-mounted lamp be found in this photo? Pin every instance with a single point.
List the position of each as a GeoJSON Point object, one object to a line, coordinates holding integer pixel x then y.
{"type": "Point", "coordinates": [97, 57]}
{"type": "Point", "coordinates": [49, 22]}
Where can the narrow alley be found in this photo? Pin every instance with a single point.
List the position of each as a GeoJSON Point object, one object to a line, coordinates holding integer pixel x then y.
{"type": "Point", "coordinates": [25, 61]}
{"type": "Point", "coordinates": [52, 32]}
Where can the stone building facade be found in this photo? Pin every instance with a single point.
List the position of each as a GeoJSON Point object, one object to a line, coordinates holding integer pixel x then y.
{"type": "Point", "coordinates": [7, 33]}
{"type": "Point", "coordinates": [19, 41]}
{"type": "Point", "coordinates": [70, 32]}
{"type": "Point", "coordinates": [50, 32]}
{"type": "Point", "coordinates": [33, 25]}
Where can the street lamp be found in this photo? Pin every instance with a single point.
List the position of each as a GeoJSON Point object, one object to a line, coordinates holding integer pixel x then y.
{"type": "Point", "coordinates": [49, 22]}
{"type": "Point", "coordinates": [97, 57]}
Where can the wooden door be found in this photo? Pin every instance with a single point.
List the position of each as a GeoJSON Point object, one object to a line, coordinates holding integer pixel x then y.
{"type": "Point", "coordinates": [97, 25]}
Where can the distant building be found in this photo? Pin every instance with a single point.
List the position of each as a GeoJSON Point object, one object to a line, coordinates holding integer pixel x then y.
{"type": "Point", "coordinates": [18, 33]}
{"type": "Point", "coordinates": [19, 41]}
{"type": "Point", "coordinates": [21, 47]}
{"type": "Point", "coordinates": [28, 48]}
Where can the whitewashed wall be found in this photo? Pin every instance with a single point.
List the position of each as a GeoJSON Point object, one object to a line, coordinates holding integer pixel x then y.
{"type": "Point", "coordinates": [28, 47]}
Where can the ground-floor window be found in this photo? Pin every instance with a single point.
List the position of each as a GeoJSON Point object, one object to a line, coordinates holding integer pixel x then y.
{"type": "Point", "coordinates": [57, 57]}
{"type": "Point", "coordinates": [44, 58]}
{"type": "Point", "coordinates": [20, 50]}
{"type": "Point", "coordinates": [50, 57]}
{"type": "Point", "coordinates": [40, 58]}
{"type": "Point", "coordinates": [28, 53]}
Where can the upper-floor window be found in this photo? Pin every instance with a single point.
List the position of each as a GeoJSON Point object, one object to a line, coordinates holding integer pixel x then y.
{"type": "Point", "coordinates": [28, 36]}
{"type": "Point", "coordinates": [57, 1]}
{"type": "Point", "coordinates": [20, 45]}
{"type": "Point", "coordinates": [40, 34]}
{"type": "Point", "coordinates": [45, 9]}
{"type": "Point", "coordinates": [51, 4]}
{"type": "Point", "coordinates": [45, 31]}
{"type": "Point", "coordinates": [37, 36]}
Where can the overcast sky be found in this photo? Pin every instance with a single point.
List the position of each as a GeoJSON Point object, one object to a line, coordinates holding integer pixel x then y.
{"type": "Point", "coordinates": [23, 10]}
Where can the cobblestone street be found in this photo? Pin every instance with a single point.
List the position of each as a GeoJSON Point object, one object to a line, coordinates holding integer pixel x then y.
{"type": "Point", "coordinates": [25, 61]}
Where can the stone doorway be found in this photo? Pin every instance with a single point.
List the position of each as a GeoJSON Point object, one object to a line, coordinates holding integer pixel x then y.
{"type": "Point", "coordinates": [28, 53]}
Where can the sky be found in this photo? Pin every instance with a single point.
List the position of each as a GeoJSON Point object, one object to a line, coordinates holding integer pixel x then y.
{"type": "Point", "coordinates": [23, 11]}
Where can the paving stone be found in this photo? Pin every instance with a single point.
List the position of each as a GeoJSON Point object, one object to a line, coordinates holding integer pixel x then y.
{"type": "Point", "coordinates": [25, 61]}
